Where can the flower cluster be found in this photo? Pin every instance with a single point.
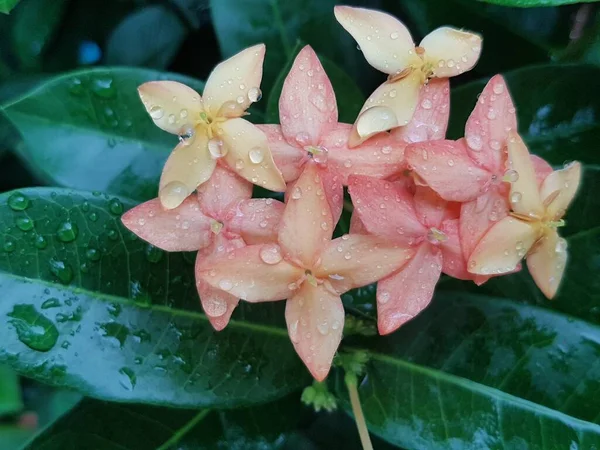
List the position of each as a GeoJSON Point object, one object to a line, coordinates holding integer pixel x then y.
{"type": "Point", "coordinates": [423, 206]}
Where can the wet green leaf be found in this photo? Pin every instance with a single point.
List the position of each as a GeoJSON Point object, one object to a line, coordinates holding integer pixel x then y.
{"type": "Point", "coordinates": [349, 97]}
{"type": "Point", "coordinates": [90, 307]}
{"type": "Point", "coordinates": [479, 372]}
{"type": "Point", "coordinates": [7, 5]}
{"type": "Point", "coordinates": [10, 391]}
{"type": "Point", "coordinates": [534, 3]}
{"type": "Point", "coordinates": [89, 130]}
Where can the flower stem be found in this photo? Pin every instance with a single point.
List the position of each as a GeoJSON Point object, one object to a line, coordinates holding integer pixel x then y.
{"type": "Point", "coordinates": [361, 424]}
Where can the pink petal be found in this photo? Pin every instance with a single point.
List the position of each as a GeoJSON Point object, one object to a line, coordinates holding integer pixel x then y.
{"type": "Point", "coordinates": [223, 190]}
{"type": "Point", "coordinates": [289, 159]}
{"type": "Point", "coordinates": [379, 157]}
{"type": "Point", "coordinates": [356, 225]}
{"type": "Point", "coordinates": [307, 106]}
{"type": "Point", "coordinates": [184, 228]}
{"type": "Point", "coordinates": [386, 209]}
{"type": "Point", "coordinates": [334, 191]}
{"type": "Point", "coordinates": [488, 125]}
{"type": "Point", "coordinates": [451, 51]}
{"type": "Point", "coordinates": [559, 189]}
{"type": "Point", "coordinates": [524, 191]}
{"type": "Point", "coordinates": [307, 223]}
{"type": "Point", "coordinates": [383, 39]}
{"type": "Point", "coordinates": [447, 168]}
{"type": "Point", "coordinates": [406, 293]}
{"type": "Point", "coordinates": [547, 262]}
{"type": "Point", "coordinates": [315, 320]}
{"type": "Point", "coordinates": [429, 206]}
{"type": "Point", "coordinates": [453, 260]}
{"type": "Point", "coordinates": [478, 216]}
{"type": "Point", "coordinates": [357, 260]}
{"type": "Point", "coordinates": [217, 304]}
{"type": "Point", "coordinates": [502, 247]}
{"type": "Point", "coordinates": [254, 273]}
{"type": "Point", "coordinates": [257, 220]}
{"type": "Point", "coordinates": [430, 120]}
{"type": "Point", "coordinates": [232, 79]}
{"type": "Point", "coordinates": [542, 169]}
{"type": "Point", "coordinates": [165, 100]}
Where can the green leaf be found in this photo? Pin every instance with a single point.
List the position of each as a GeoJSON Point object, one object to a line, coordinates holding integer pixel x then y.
{"type": "Point", "coordinates": [90, 307]}
{"type": "Point", "coordinates": [280, 24]}
{"type": "Point", "coordinates": [271, 426]}
{"type": "Point", "coordinates": [481, 372]}
{"type": "Point", "coordinates": [89, 130]}
{"type": "Point", "coordinates": [349, 97]}
{"type": "Point", "coordinates": [534, 3]}
{"type": "Point", "coordinates": [10, 392]}
{"type": "Point", "coordinates": [7, 5]}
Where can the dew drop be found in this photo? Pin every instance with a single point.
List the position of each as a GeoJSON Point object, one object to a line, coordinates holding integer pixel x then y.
{"type": "Point", "coordinates": [215, 307]}
{"type": "Point", "coordinates": [561, 246]}
{"type": "Point", "coordinates": [386, 150]}
{"type": "Point", "coordinates": [511, 176]}
{"type": "Point", "coordinates": [296, 193]}
{"type": "Point", "coordinates": [270, 254]}
{"type": "Point", "coordinates": [293, 331]}
{"type": "Point", "coordinates": [115, 206]}
{"type": "Point", "coordinates": [302, 138]}
{"type": "Point", "coordinates": [495, 145]}
{"type": "Point", "coordinates": [9, 246]}
{"type": "Point", "coordinates": [225, 284]}
{"type": "Point", "coordinates": [61, 270]}
{"type": "Point", "coordinates": [216, 148]}
{"type": "Point", "coordinates": [515, 197]}
{"type": "Point", "coordinates": [474, 142]}
{"type": "Point", "coordinates": [383, 297]}
{"type": "Point", "coordinates": [426, 103]}
{"type": "Point", "coordinates": [67, 232]}
{"type": "Point", "coordinates": [254, 94]}
{"type": "Point", "coordinates": [393, 93]}
{"type": "Point", "coordinates": [498, 88]}
{"type": "Point", "coordinates": [93, 254]}
{"type": "Point", "coordinates": [394, 36]}
{"type": "Point", "coordinates": [24, 223]}
{"type": "Point", "coordinates": [256, 155]}
{"type": "Point", "coordinates": [33, 329]}
{"type": "Point", "coordinates": [18, 202]}
{"type": "Point", "coordinates": [323, 328]}
{"type": "Point", "coordinates": [157, 113]}
{"type": "Point", "coordinates": [40, 242]}
{"type": "Point", "coordinates": [239, 164]}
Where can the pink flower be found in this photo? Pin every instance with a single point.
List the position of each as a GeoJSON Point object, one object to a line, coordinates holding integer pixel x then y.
{"type": "Point", "coordinates": [310, 132]}
{"type": "Point", "coordinates": [211, 128]}
{"type": "Point", "coordinates": [309, 269]}
{"type": "Point", "coordinates": [221, 218]}
{"type": "Point", "coordinates": [425, 223]}
{"type": "Point", "coordinates": [472, 170]}
{"type": "Point", "coordinates": [388, 47]}
{"type": "Point", "coordinates": [530, 230]}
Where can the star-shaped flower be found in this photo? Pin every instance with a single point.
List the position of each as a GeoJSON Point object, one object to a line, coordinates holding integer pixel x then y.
{"type": "Point", "coordinates": [211, 129]}
{"type": "Point", "coordinates": [222, 217]}
{"type": "Point", "coordinates": [388, 47]}
{"type": "Point", "coordinates": [309, 269]}
{"type": "Point", "coordinates": [530, 230]}
{"type": "Point", "coordinates": [425, 223]}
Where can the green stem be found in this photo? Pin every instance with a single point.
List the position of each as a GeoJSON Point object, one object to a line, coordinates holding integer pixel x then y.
{"type": "Point", "coordinates": [359, 417]}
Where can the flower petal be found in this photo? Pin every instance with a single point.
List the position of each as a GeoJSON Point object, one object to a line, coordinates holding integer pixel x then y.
{"type": "Point", "coordinates": [357, 226]}
{"type": "Point", "coordinates": [243, 272]}
{"type": "Point", "coordinates": [188, 166]}
{"type": "Point", "coordinates": [334, 191]}
{"type": "Point", "coordinates": [386, 209]}
{"type": "Point", "coordinates": [502, 247]}
{"type": "Point", "coordinates": [451, 51]}
{"type": "Point", "coordinates": [184, 228]}
{"type": "Point", "coordinates": [524, 193]}
{"type": "Point", "coordinates": [453, 260]}
{"type": "Point", "coordinates": [430, 119]}
{"type": "Point", "coordinates": [234, 78]}
{"type": "Point", "coordinates": [446, 167]}
{"type": "Point", "coordinates": [307, 223]}
{"type": "Point", "coordinates": [391, 105]}
{"type": "Point", "coordinates": [488, 125]}
{"type": "Point", "coordinates": [478, 216]}
{"type": "Point", "coordinates": [223, 190]}
{"type": "Point", "coordinates": [406, 293]}
{"type": "Point", "coordinates": [547, 262]}
{"type": "Point", "coordinates": [217, 304]}
{"type": "Point", "coordinates": [307, 105]}
{"type": "Point", "coordinates": [353, 260]}
{"type": "Point", "coordinates": [380, 157]}
{"type": "Point", "coordinates": [257, 220]}
{"type": "Point", "coordinates": [289, 159]}
{"type": "Point", "coordinates": [383, 39]}
{"type": "Point", "coordinates": [430, 208]}
{"type": "Point", "coordinates": [249, 156]}
{"type": "Point", "coordinates": [170, 104]}
{"type": "Point", "coordinates": [315, 321]}
{"type": "Point", "coordinates": [542, 169]}
{"type": "Point", "coordinates": [559, 189]}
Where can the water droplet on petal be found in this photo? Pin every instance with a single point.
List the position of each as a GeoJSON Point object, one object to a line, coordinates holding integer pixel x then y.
{"type": "Point", "coordinates": [383, 297]}
{"type": "Point", "coordinates": [225, 284]}
{"type": "Point", "coordinates": [173, 194]}
{"type": "Point", "coordinates": [256, 155]}
{"type": "Point", "coordinates": [254, 94]}
{"type": "Point", "coordinates": [394, 35]}
{"type": "Point", "coordinates": [498, 88]}
{"type": "Point", "coordinates": [297, 193]}
{"type": "Point", "coordinates": [426, 103]}
{"type": "Point", "coordinates": [216, 148]}
{"type": "Point", "coordinates": [270, 254]}
{"type": "Point", "coordinates": [516, 197]}
{"type": "Point", "coordinates": [215, 307]}
{"type": "Point", "coordinates": [561, 246]}
{"type": "Point", "coordinates": [302, 138]}
{"type": "Point", "coordinates": [293, 330]}
{"type": "Point", "coordinates": [156, 112]}
{"type": "Point", "coordinates": [511, 176]}
{"type": "Point", "coordinates": [495, 145]}
{"type": "Point", "coordinates": [474, 142]}
{"type": "Point", "coordinates": [323, 328]}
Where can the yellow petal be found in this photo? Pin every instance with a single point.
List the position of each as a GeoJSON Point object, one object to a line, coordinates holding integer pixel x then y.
{"type": "Point", "coordinates": [383, 39]}
{"type": "Point", "coordinates": [188, 166]}
{"type": "Point", "coordinates": [171, 105]}
{"type": "Point", "coordinates": [248, 154]}
{"type": "Point", "coordinates": [502, 247]}
{"type": "Point", "coordinates": [236, 79]}
{"type": "Point", "coordinates": [451, 51]}
{"type": "Point", "coordinates": [391, 105]}
{"type": "Point", "coordinates": [547, 261]}
{"type": "Point", "coordinates": [524, 194]}
{"type": "Point", "coordinates": [559, 188]}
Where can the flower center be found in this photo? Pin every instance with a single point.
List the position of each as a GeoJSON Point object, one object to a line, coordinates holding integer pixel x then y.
{"type": "Point", "coordinates": [435, 236]}
{"type": "Point", "coordinates": [216, 226]}
{"type": "Point", "coordinates": [317, 153]}
{"type": "Point", "coordinates": [310, 277]}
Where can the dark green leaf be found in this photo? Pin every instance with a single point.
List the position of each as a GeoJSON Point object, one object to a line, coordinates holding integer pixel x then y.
{"type": "Point", "coordinates": [481, 372]}
{"type": "Point", "coordinates": [13, 437]}
{"type": "Point", "coordinates": [10, 391]}
{"type": "Point", "coordinates": [534, 3]}
{"type": "Point", "coordinates": [7, 5]}
{"type": "Point", "coordinates": [123, 316]}
{"type": "Point", "coordinates": [89, 130]}
{"type": "Point", "coordinates": [349, 97]}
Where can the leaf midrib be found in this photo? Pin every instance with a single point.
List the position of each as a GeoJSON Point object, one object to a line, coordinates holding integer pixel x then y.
{"type": "Point", "coordinates": [108, 298]}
